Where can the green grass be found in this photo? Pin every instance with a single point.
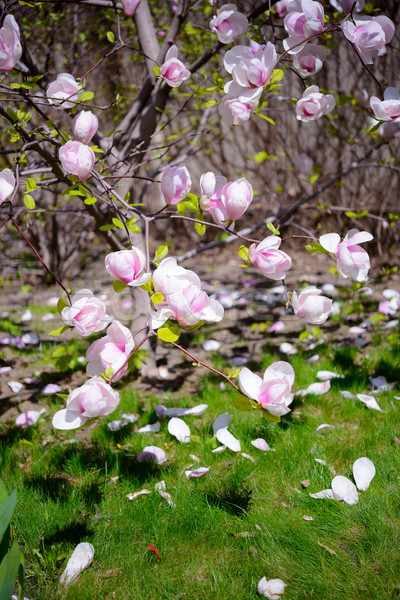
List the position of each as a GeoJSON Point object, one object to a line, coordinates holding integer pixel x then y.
{"type": "Point", "coordinates": [241, 521]}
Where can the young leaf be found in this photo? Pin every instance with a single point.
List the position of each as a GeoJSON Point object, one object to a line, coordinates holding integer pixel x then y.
{"type": "Point", "coordinates": [59, 331]}
{"type": "Point", "coordinates": [29, 201]}
{"type": "Point", "coordinates": [61, 304]}
{"type": "Point", "coordinates": [200, 228]}
{"type": "Point", "coordinates": [168, 332]}
{"type": "Point", "coordinates": [161, 253]}
{"type": "Point", "coordinates": [244, 255]}
{"type": "Point", "coordinates": [118, 286]}
{"type": "Point", "coordinates": [30, 184]}
{"type": "Point", "coordinates": [157, 298]}
{"type": "Point", "coordinates": [244, 403]}
{"type": "Point", "coordinates": [111, 37]}
{"type": "Point", "coordinates": [270, 417]}
{"type": "Point", "coordinates": [272, 228]}
{"type": "Point", "coordinates": [87, 96]}
{"type": "Point", "coordinates": [315, 247]}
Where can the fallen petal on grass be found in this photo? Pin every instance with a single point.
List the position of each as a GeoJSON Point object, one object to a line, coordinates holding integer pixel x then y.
{"type": "Point", "coordinates": [344, 489]}
{"type": "Point", "coordinates": [327, 375]}
{"type": "Point", "coordinates": [323, 494]}
{"type": "Point", "coordinates": [347, 395]}
{"type": "Point", "coordinates": [363, 472]}
{"type": "Point", "coordinates": [325, 464]}
{"type": "Point", "coordinates": [151, 428]}
{"type": "Point", "coordinates": [369, 402]}
{"type": "Point", "coordinates": [80, 559]}
{"type": "Point", "coordinates": [324, 426]}
{"type": "Point", "coordinates": [197, 472]}
{"type": "Point", "coordinates": [152, 454]}
{"type": "Point", "coordinates": [221, 422]}
{"type": "Point", "coordinates": [134, 495]}
{"type": "Point", "coordinates": [227, 439]}
{"type": "Point", "coordinates": [260, 444]}
{"type": "Point", "coordinates": [315, 388]}
{"type": "Point", "coordinates": [179, 429]}
{"type": "Point", "coordinates": [271, 588]}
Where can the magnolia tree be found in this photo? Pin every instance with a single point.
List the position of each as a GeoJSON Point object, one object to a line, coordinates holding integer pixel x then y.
{"type": "Point", "coordinates": [62, 143]}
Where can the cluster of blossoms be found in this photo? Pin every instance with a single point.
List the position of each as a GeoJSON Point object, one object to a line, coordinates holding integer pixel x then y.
{"type": "Point", "coordinates": [225, 201]}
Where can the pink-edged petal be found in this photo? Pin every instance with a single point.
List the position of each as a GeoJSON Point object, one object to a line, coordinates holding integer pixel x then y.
{"type": "Point", "coordinates": [260, 444]}
{"type": "Point", "coordinates": [250, 383]}
{"type": "Point", "coordinates": [197, 472]}
{"type": "Point", "coordinates": [278, 370]}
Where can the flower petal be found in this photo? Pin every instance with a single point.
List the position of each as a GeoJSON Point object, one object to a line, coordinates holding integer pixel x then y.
{"type": "Point", "coordinates": [363, 472]}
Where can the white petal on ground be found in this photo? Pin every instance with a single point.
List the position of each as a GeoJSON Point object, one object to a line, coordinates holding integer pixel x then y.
{"type": "Point", "coordinates": [324, 426]}
{"type": "Point", "coordinates": [163, 372]}
{"type": "Point", "coordinates": [382, 384]}
{"type": "Point", "coordinates": [248, 456]}
{"type": "Point", "coordinates": [151, 428]}
{"type": "Point", "coordinates": [313, 359]}
{"type": "Point", "coordinates": [271, 588]}
{"type": "Point", "coordinates": [160, 487]}
{"type": "Point", "coordinates": [227, 439]}
{"type": "Point", "coordinates": [30, 339]}
{"type": "Point", "coordinates": [390, 324]}
{"type": "Point", "coordinates": [26, 316]}
{"type": "Point", "coordinates": [315, 388]}
{"type": "Point", "coordinates": [327, 375]}
{"type": "Point", "coordinates": [344, 489]}
{"type": "Point", "coordinates": [260, 444]}
{"type": "Point", "coordinates": [221, 422]}
{"type": "Point", "coordinates": [218, 450]}
{"type": "Point", "coordinates": [29, 417]}
{"type": "Point", "coordinates": [323, 494]}
{"type": "Point", "coordinates": [348, 395]}
{"type": "Point", "coordinates": [287, 348]}
{"type": "Point", "coordinates": [133, 495]}
{"type": "Point", "coordinates": [130, 417]}
{"type": "Point", "coordinates": [211, 345]}
{"type": "Point", "coordinates": [163, 412]}
{"type": "Point", "coordinates": [363, 472]}
{"type": "Point", "coordinates": [356, 330]}
{"type": "Point", "coordinates": [15, 386]}
{"type": "Point", "coordinates": [197, 472]}
{"type": "Point", "coordinates": [179, 429]}
{"type": "Point", "coordinates": [51, 388]}
{"type": "Point", "coordinates": [325, 464]}
{"type": "Point", "coordinates": [369, 402]}
{"type": "Point", "coordinates": [117, 425]}
{"type": "Point", "coordinates": [80, 559]}
{"type": "Point", "coordinates": [152, 454]}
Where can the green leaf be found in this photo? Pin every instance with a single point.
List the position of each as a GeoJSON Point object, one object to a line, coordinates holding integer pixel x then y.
{"type": "Point", "coordinates": [168, 332]}
{"type": "Point", "coordinates": [118, 286]}
{"type": "Point", "coordinates": [106, 227]}
{"type": "Point", "coordinates": [270, 417]}
{"type": "Point", "coordinates": [118, 223]}
{"type": "Point", "coordinates": [30, 184]}
{"type": "Point", "coordinates": [268, 119]}
{"type": "Point", "coordinates": [244, 403]}
{"type": "Point", "coordinates": [29, 201]}
{"type": "Point", "coordinates": [278, 75]}
{"type": "Point", "coordinates": [315, 247]}
{"type": "Point", "coordinates": [8, 571]}
{"type": "Point", "coordinates": [156, 70]}
{"type": "Point", "coordinates": [148, 286]}
{"type": "Point", "coordinates": [210, 103]}
{"type": "Point", "coordinates": [161, 253]}
{"type": "Point", "coordinates": [87, 96]}
{"type": "Point", "coordinates": [304, 335]}
{"type": "Point", "coordinates": [109, 372]}
{"type": "Point", "coordinates": [61, 304]}
{"type": "Point", "coordinates": [157, 298]}
{"type": "Point", "coordinates": [200, 228]}
{"type": "Point", "coordinates": [90, 200]}
{"type": "Point", "coordinates": [259, 157]}
{"type": "Point", "coordinates": [244, 255]}
{"type": "Point", "coordinates": [59, 331]}
{"type": "Point", "coordinates": [272, 228]}
{"type": "Point", "coordinates": [111, 37]}
{"type": "Point", "coordinates": [375, 127]}
{"type": "Point", "coordinates": [6, 512]}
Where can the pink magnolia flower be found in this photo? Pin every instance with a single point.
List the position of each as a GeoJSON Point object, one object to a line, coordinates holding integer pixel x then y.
{"type": "Point", "coordinates": [273, 391]}
{"type": "Point", "coordinates": [175, 184]}
{"type": "Point", "coordinates": [129, 6]}
{"type": "Point", "coordinates": [389, 129]}
{"type": "Point", "coordinates": [238, 104]}
{"type": "Point", "coordinates": [7, 184]}
{"type": "Point", "coordinates": [351, 259]}
{"type": "Point", "coordinates": [228, 24]}
{"type": "Point", "coordinates": [231, 201]}
{"type": "Point", "coordinates": [251, 69]}
{"type": "Point", "coordinates": [304, 18]}
{"type": "Point", "coordinates": [86, 313]}
{"type": "Point", "coordinates": [303, 164]}
{"type": "Point", "coordinates": [272, 262]}
{"type": "Point", "coordinates": [313, 105]}
{"type": "Point", "coordinates": [281, 7]}
{"type": "Point", "coordinates": [387, 109]}
{"type": "Point", "coordinates": [84, 126]}
{"type": "Point", "coordinates": [272, 588]}
{"type": "Point", "coordinates": [112, 350]}
{"type": "Point", "coordinates": [10, 44]}
{"type": "Point", "coordinates": [62, 88]}
{"type": "Point", "coordinates": [310, 306]}
{"type": "Point", "coordinates": [309, 60]}
{"type": "Point", "coordinates": [95, 398]}
{"type": "Point", "coordinates": [346, 5]}
{"type": "Point", "coordinates": [369, 35]}
{"type": "Point", "coordinates": [210, 184]}
{"type": "Point", "coordinates": [173, 70]}
{"type": "Point", "coordinates": [128, 266]}
{"type": "Point", "coordinates": [77, 159]}
{"type": "Point", "coordinates": [184, 300]}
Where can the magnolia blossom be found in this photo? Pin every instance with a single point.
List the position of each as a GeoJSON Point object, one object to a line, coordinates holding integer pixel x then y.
{"type": "Point", "coordinates": [95, 398]}
{"type": "Point", "coordinates": [389, 108]}
{"type": "Point", "coordinates": [62, 88]}
{"type": "Point", "coordinates": [173, 70]}
{"type": "Point", "coordinates": [274, 391]}
{"type": "Point", "coordinates": [303, 164]}
{"type": "Point", "coordinates": [10, 44]}
{"type": "Point", "coordinates": [84, 126]}
{"type": "Point", "coordinates": [351, 259]}
{"type": "Point", "coordinates": [304, 18]}
{"type": "Point", "coordinates": [272, 588]}
{"type": "Point", "coordinates": [281, 7]}
{"type": "Point", "coordinates": [272, 262]}
{"type": "Point", "coordinates": [113, 350]}
{"type": "Point", "coordinates": [184, 299]}
{"type": "Point", "coordinates": [86, 313]}
{"type": "Point", "coordinates": [77, 159]}
{"type": "Point", "coordinates": [7, 184]}
{"type": "Point", "coordinates": [347, 5]}
{"type": "Point", "coordinates": [129, 6]}
{"type": "Point", "coordinates": [238, 104]}
{"type": "Point", "coordinates": [128, 266]}
{"type": "Point", "coordinates": [210, 184]}
{"type": "Point", "coordinates": [310, 306]}
{"type": "Point", "coordinates": [309, 60]}
{"type": "Point", "coordinates": [251, 69]}
{"type": "Point", "coordinates": [389, 129]}
{"type": "Point", "coordinates": [313, 105]}
{"type": "Point", "coordinates": [231, 201]}
{"type": "Point", "coordinates": [369, 35]}
{"type": "Point", "coordinates": [175, 184]}
{"type": "Point", "coordinates": [228, 24]}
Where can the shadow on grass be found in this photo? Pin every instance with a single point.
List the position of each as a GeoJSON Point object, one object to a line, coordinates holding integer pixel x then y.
{"type": "Point", "coordinates": [73, 533]}
{"type": "Point", "coordinates": [231, 498]}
